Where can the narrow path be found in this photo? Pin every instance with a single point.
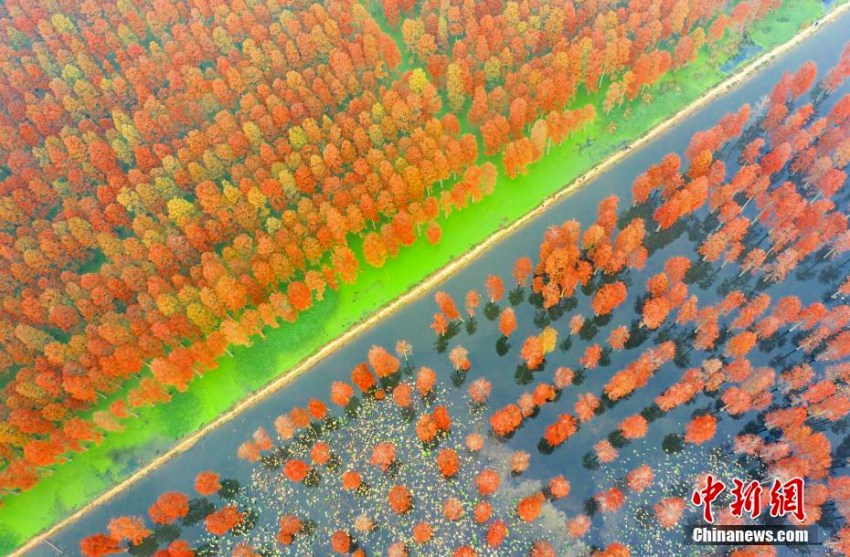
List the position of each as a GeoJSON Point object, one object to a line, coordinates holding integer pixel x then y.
{"type": "Point", "coordinates": [744, 74]}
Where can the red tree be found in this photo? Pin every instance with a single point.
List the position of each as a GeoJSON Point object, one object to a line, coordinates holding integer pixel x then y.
{"type": "Point", "coordinates": [169, 507]}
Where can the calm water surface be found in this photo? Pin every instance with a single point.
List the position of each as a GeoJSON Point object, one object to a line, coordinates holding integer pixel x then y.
{"type": "Point", "coordinates": [217, 449]}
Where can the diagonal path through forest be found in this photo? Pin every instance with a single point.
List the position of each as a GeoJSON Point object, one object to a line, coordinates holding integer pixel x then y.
{"type": "Point", "coordinates": [836, 17]}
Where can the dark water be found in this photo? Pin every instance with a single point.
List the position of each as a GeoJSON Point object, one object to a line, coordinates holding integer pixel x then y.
{"type": "Point", "coordinates": [217, 450]}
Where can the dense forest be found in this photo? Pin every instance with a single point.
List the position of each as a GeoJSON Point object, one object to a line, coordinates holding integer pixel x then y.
{"type": "Point", "coordinates": [699, 280]}
{"type": "Point", "coordinates": [177, 177]}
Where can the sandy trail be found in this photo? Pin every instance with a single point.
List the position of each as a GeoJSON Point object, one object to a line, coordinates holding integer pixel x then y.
{"type": "Point", "coordinates": [440, 275]}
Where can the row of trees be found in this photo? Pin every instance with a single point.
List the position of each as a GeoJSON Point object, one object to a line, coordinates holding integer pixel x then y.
{"type": "Point", "coordinates": [765, 373]}
{"type": "Point", "coordinates": [178, 177]}
{"type": "Point", "coordinates": [520, 62]}
{"type": "Point", "coordinates": [167, 198]}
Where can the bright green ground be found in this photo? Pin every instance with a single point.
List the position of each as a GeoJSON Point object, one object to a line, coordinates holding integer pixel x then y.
{"type": "Point", "coordinates": [88, 474]}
